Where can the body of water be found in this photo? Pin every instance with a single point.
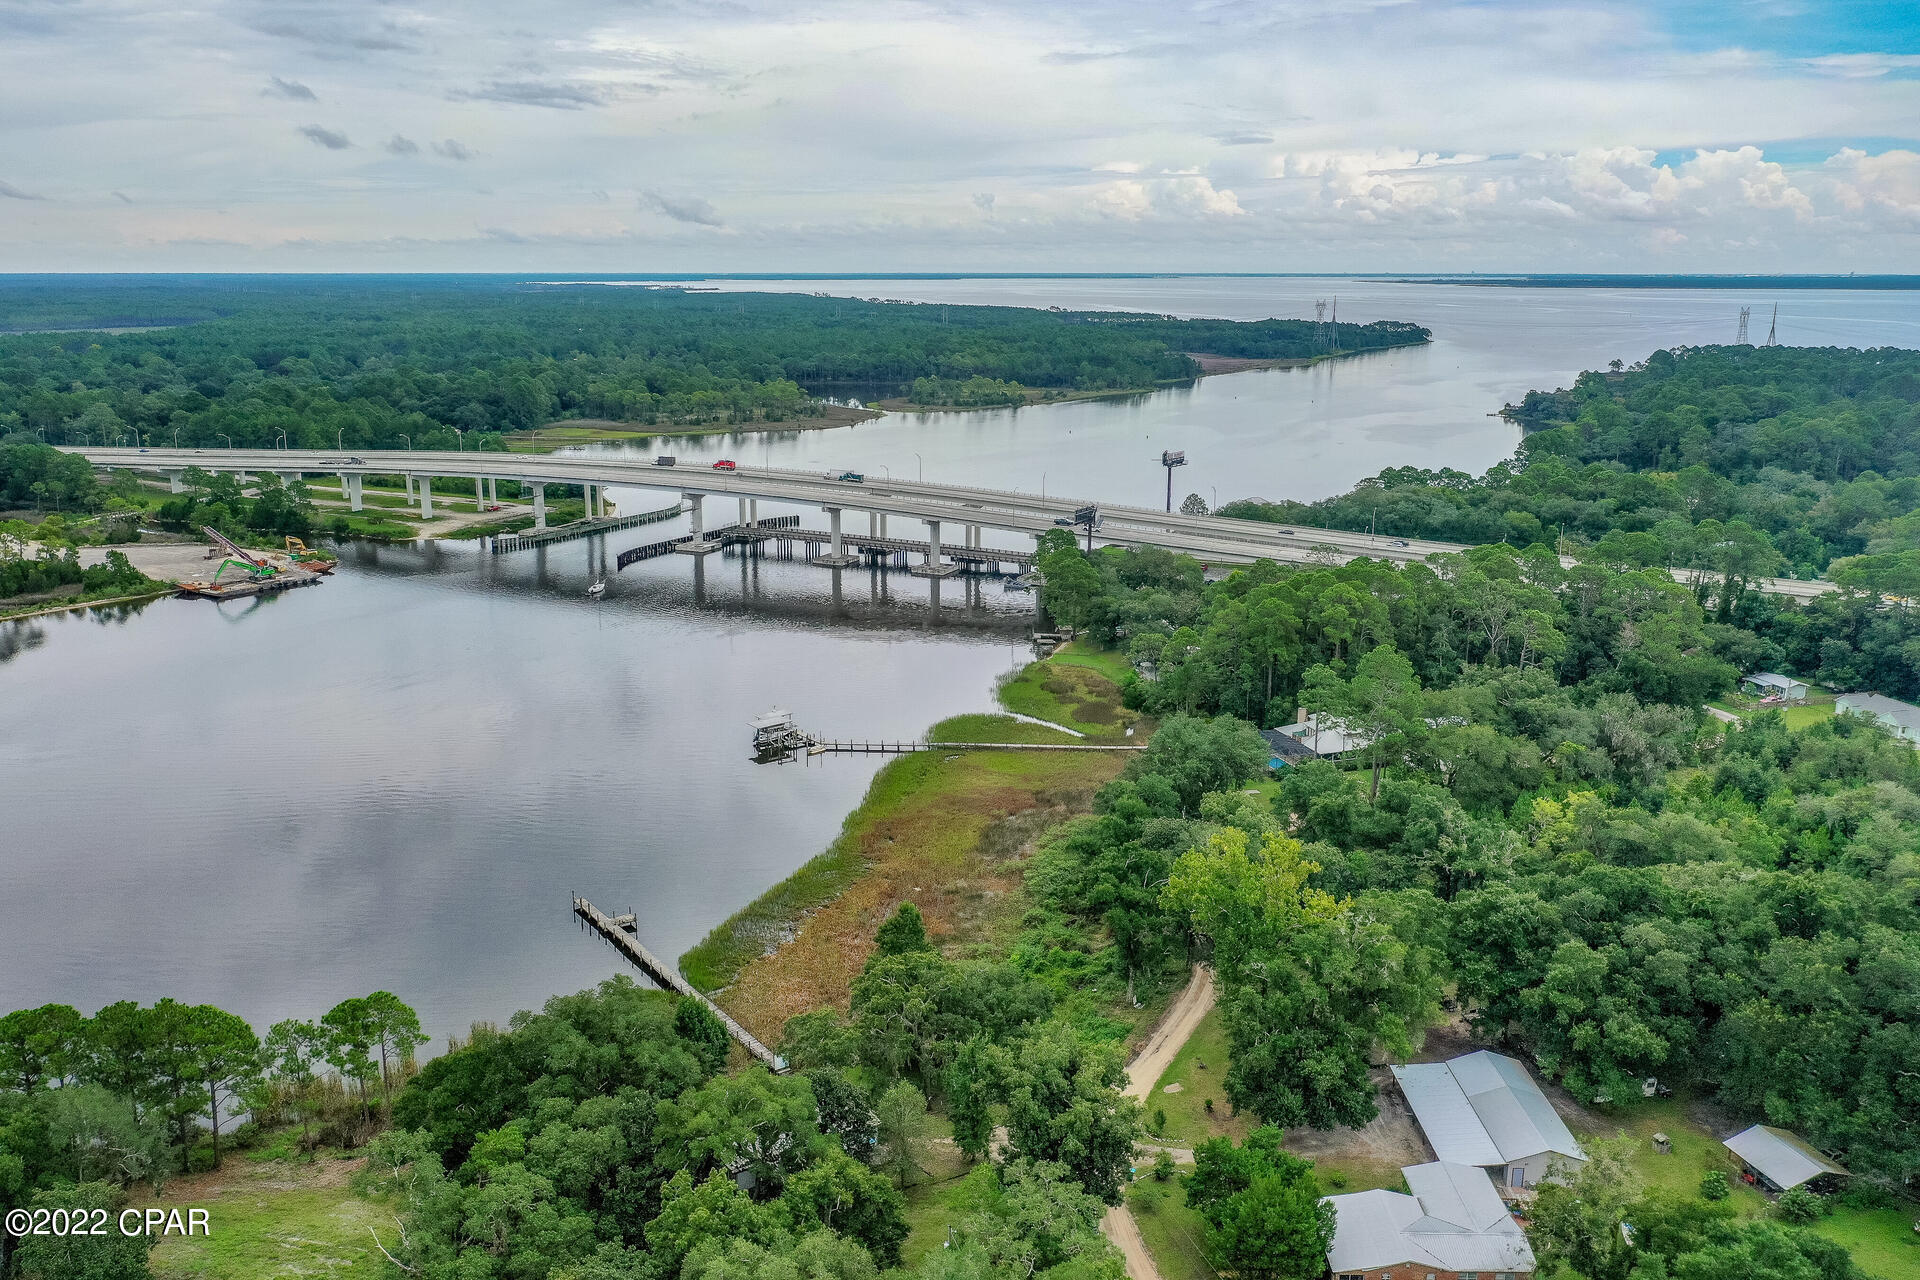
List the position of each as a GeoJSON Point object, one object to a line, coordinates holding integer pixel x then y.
{"type": "Point", "coordinates": [397, 779]}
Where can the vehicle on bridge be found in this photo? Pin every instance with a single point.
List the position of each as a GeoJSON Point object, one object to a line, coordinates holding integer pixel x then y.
{"type": "Point", "coordinates": [726, 464]}
{"type": "Point", "coordinates": [851, 477]}
{"type": "Point", "coordinates": [666, 460]}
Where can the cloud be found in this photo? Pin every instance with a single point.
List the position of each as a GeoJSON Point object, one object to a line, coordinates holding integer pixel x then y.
{"type": "Point", "coordinates": [1886, 186]}
{"type": "Point", "coordinates": [401, 145]}
{"type": "Point", "coordinates": [1244, 139]}
{"type": "Point", "coordinates": [690, 209]}
{"type": "Point", "coordinates": [983, 201]}
{"type": "Point", "coordinates": [328, 36]}
{"type": "Point", "coordinates": [327, 138]}
{"type": "Point", "coordinates": [10, 192]}
{"type": "Point", "coordinates": [1183, 196]}
{"type": "Point", "coordinates": [452, 150]}
{"type": "Point", "coordinates": [1864, 66]}
{"type": "Point", "coordinates": [290, 89]}
{"type": "Point", "coordinates": [559, 95]}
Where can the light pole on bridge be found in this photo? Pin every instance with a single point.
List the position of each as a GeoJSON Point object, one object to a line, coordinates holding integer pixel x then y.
{"type": "Point", "coordinates": [224, 436]}
{"type": "Point", "coordinates": [409, 439]}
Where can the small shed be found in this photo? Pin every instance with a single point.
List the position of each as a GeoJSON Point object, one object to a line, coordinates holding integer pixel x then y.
{"type": "Point", "coordinates": [1779, 1159]}
{"type": "Point", "coordinates": [1768, 684]}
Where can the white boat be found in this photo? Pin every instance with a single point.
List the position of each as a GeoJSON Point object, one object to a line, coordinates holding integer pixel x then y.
{"type": "Point", "coordinates": [598, 589]}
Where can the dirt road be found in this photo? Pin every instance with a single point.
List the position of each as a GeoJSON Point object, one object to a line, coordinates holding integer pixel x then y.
{"type": "Point", "coordinates": [1142, 1074]}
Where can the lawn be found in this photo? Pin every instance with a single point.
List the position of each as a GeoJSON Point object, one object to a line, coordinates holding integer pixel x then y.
{"type": "Point", "coordinates": [1819, 705]}
{"type": "Point", "coordinates": [1171, 1230]}
{"type": "Point", "coordinates": [1077, 696]}
{"type": "Point", "coordinates": [1199, 1069]}
{"type": "Point", "coordinates": [986, 727]}
{"type": "Point", "coordinates": [274, 1219]}
{"type": "Point", "coordinates": [1882, 1241]}
{"type": "Point", "coordinates": [1695, 1153]}
{"type": "Point", "coordinates": [934, 1206]}
{"type": "Point", "coordinates": [1110, 663]}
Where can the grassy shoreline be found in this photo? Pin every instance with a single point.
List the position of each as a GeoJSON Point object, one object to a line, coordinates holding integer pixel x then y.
{"type": "Point", "coordinates": [939, 829]}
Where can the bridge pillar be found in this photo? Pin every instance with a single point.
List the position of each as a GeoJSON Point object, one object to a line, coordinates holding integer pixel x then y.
{"type": "Point", "coordinates": [539, 505]}
{"type": "Point", "coordinates": [742, 518]}
{"type": "Point", "coordinates": [837, 557]}
{"type": "Point", "coordinates": [932, 567]}
{"type": "Point", "coordinates": [176, 482]}
{"type": "Point", "coordinates": [425, 484]}
{"type": "Point", "coordinates": [354, 489]}
{"type": "Point", "coordinates": [479, 493]}
{"type": "Point", "coordinates": [753, 511]}
{"type": "Point", "coordinates": [699, 544]}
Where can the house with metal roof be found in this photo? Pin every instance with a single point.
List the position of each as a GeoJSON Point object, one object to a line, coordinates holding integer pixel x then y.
{"type": "Point", "coordinates": [1779, 1159]}
{"type": "Point", "coordinates": [1324, 735]}
{"type": "Point", "coordinates": [1284, 749]}
{"type": "Point", "coordinates": [1485, 1109]}
{"type": "Point", "coordinates": [1768, 684]}
{"type": "Point", "coordinates": [1453, 1224]}
{"type": "Point", "coordinates": [1903, 718]}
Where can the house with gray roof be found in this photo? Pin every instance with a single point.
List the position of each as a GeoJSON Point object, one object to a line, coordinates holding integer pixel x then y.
{"type": "Point", "coordinates": [1903, 718]}
{"type": "Point", "coordinates": [1485, 1109]}
{"type": "Point", "coordinates": [1453, 1224]}
{"type": "Point", "coordinates": [1779, 1158]}
{"type": "Point", "coordinates": [1769, 684]}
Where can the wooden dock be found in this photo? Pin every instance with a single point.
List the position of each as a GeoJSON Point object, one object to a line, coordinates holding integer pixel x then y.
{"type": "Point", "coordinates": [907, 748]}
{"type": "Point", "coordinates": [286, 580]}
{"type": "Point", "coordinates": [506, 542]}
{"type": "Point", "coordinates": [668, 978]}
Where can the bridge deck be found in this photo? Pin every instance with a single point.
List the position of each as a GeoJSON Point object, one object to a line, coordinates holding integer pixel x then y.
{"type": "Point", "coordinates": [668, 978]}
{"type": "Point", "coordinates": [507, 542]}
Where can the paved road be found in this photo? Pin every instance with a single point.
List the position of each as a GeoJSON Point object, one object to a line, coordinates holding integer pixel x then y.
{"type": "Point", "coordinates": [1213, 539]}
{"type": "Point", "coordinates": [1142, 1074]}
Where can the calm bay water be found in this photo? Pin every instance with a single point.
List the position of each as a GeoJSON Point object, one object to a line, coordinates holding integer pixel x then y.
{"type": "Point", "coordinates": [396, 779]}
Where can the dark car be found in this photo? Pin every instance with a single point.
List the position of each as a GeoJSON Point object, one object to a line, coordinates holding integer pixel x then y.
{"type": "Point", "coordinates": [1399, 542]}
{"type": "Point", "coordinates": [665, 460]}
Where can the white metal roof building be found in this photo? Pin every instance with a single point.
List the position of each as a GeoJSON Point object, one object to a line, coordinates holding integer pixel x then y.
{"type": "Point", "coordinates": [1485, 1109]}
{"type": "Point", "coordinates": [1454, 1221]}
{"type": "Point", "coordinates": [1783, 1159]}
{"type": "Point", "coordinates": [1769, 682]}
{"type": "Point", "coordinates": [1901, 717]}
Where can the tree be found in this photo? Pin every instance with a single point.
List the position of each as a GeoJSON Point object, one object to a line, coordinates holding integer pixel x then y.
{"type": "Point", "coordinates": [901, 1114]}
{"type": "Point", "coordinates": [845, 1113]}
{"type": "Point", "coordinates": [1197, 755]}
{"type": "Point", "coordinates": [395, 1031]}
{"type": "Point", "coordinates": [1277, 1229]}
{"type": "Point", "coordinates": [225, 1061]}
{"type": "Point", "coordinates": [713, 1210]}
{"type": "Point", "coordinates": [1193, 505]}
{"type": "Point", "coordinates": [1243, 898]}
{"type": "Point", "coordinates": [97, 1136]}
{"type": "Point", "coordinates": [902, 932]}
{"type": "Point", "coordinates": [353, 1033]}
{"type": "Point", "coordinates": [1064, 1107]}
{"type": "Point", "coordinates": [972, 1082]}
{"type": "Point", "coordinates": [1381, 705]}
{"type": "Point", "coordinates": [845, 1196]}
{"type": "Point", "coordinates": [78, 1256]}
{"type": "Point", "coordinates": [756, 1121]}
{"type": "Point", "coordinates": [1576, 1220]}
{"type": "Point", "coordinates": [293, 1050]}
{"type": "Point", "coordinates": [1042, 1220]}
{"type": "Point", "coordinates": [40, 1047]}
{"type": "Point", "coordinates": [820, 1255]}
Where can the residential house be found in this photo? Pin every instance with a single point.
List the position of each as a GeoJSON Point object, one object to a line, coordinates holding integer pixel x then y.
{"type": "Point", "coordinates": [1903, 718]}
{"type": "Point", "coordinates": [1322, 735]}
{"type": "Point", "coordinates": [1766, 684]}
{"type": "Point", "coordinates": [1484, 1109]}
{"type": "Point", "coordinates": [1284, 749]}
{"type": "Point", "coordinates": [1453, 1227]}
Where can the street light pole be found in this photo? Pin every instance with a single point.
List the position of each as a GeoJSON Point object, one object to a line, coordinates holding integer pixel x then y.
{"type": "Point", "coordinates": [224, 436]}
{"type": "Point", "coordinates": [922, 468]}
{"type": "Point", "coordinates": [409, 439]}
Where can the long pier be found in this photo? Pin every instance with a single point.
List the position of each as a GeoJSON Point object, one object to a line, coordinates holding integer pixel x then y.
{"type": "Point", "coordinates": [668, 978]}
{"type": "Point", "coordinates": [908, 748]}
{"type": "Point", "coordinates": [580, 529]}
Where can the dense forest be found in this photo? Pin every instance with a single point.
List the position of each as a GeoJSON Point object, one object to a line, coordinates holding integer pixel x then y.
{"type": "Point", "coordinates": [374, 362]}
{"type": "Point", "coordinates": [1542, 819]}
{"type": "Point", "coordinates": [1765, 460]}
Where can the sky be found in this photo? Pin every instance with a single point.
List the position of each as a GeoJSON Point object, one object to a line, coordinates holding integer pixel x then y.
{"type": "Point", "coordinates": [1097, 135]}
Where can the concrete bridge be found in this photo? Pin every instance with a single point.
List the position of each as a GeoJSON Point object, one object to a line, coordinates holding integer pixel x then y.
{"type": "Point", "coordinates": [1209, 539]}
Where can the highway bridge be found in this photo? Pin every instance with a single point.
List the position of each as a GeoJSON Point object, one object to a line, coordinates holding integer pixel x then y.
{"type": "Point", "coordinates": [1210, 539]}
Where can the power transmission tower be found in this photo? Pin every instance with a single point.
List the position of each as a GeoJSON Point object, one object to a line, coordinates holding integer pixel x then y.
{"type": "Point", "coordinates": [1773, 327]}
{"type": "Point", "coordinates": [1320, 335]}
{"type": "Point", "coordinates": [1740, 338]}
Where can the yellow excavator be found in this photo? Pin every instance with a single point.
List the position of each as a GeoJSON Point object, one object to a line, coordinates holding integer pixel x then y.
{"type": "Point", "coordinates": [318, 561]}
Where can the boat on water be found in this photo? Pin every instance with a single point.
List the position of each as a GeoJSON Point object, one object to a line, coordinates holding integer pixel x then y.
{"type": "Point", "coordinates": [598, 589]}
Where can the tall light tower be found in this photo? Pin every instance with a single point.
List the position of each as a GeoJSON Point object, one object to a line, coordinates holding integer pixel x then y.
{"type": "Point", "coordinates": [1171, 458]}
